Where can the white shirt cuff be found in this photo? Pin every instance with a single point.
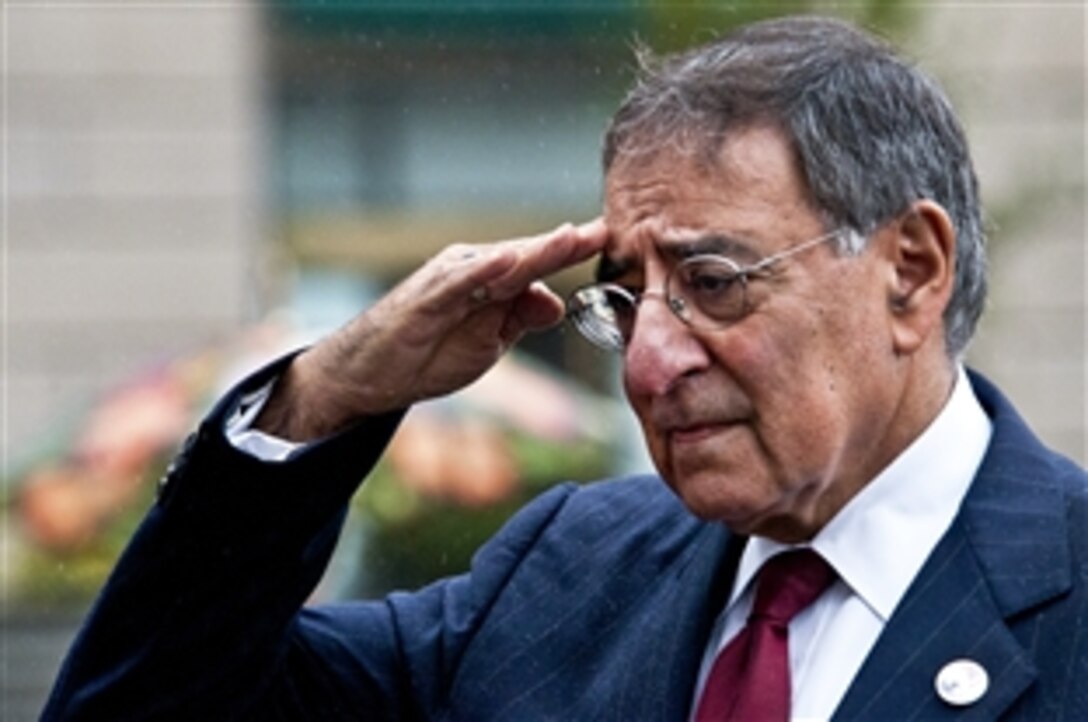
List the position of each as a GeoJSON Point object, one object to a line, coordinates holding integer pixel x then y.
{"type": "Point", "coordinates": [242, 436]}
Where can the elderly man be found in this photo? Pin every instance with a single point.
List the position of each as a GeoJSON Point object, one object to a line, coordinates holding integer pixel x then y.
{"type": "Point", "coordinates": [847, 523]}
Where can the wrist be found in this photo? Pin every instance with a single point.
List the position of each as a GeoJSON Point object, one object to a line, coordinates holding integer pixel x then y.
{"type": "Point", "coordinates": [301, 406]}
{"type": "Point", "coordinates": [323, 392]}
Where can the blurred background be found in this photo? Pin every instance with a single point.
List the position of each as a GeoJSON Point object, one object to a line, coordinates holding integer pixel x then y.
{"type": "Point", "coordinates": [190, 188]}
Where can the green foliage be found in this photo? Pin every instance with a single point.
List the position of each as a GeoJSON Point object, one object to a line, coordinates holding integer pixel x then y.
{"type": "Point", "coordinates": [46, 579]}
{"type": "Point", "coordinates": [410, 539]}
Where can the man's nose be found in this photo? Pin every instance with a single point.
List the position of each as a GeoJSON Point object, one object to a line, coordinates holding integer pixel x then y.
{"type": "Point", "coordinates": [661, 350]}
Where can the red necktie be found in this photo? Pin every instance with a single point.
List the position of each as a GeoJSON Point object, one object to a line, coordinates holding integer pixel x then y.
{"type": "Point", "coordinates": [750, 679]}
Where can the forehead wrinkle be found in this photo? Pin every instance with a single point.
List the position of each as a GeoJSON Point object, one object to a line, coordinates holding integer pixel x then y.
{"type": "Point", "coordinates": [711, 243]}
{"type": "Point", "coordinates": [676, 247]}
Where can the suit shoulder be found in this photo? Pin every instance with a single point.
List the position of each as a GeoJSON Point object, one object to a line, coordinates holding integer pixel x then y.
{"type": "Point", "coordinates": [1073, 480]}
{"type": "Point", "coordinates": [644, 495]}
{"type": "Point", "coordinates": [624, 513]}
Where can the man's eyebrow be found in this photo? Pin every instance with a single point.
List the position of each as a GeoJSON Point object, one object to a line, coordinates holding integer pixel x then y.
{"type": "Point", "coordinates": [715, 244]}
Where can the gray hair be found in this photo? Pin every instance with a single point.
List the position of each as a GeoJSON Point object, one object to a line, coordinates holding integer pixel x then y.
{"type": "Point", "coordinates": [872, 133]}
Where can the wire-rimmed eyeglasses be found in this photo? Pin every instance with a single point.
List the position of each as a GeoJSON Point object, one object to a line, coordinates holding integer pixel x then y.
{"type": "Point", "coordinates": [705, 291]}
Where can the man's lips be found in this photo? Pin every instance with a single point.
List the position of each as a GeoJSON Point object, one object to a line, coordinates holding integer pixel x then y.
{"type": "Point", "coordinates": [691, 420]}
{"type": "Point", "coordinates": [696, 432]}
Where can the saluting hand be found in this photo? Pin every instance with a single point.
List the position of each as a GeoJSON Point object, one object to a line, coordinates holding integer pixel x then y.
{"type": "Point", "coordinates": [434, 333]}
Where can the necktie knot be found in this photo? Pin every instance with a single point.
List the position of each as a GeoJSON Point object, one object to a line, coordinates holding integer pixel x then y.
{"type": "Point", "coordinates": [788, 583]}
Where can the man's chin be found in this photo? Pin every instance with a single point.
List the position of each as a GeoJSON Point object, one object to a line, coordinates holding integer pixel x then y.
{"type": "Point", "coordinates": [704, 499]}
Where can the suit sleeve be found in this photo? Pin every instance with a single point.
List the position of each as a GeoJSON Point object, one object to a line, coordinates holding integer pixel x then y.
{"type": "Point", "coordinates": [200, 617]}
{"type": "Point", "coordinates": [203, 616]}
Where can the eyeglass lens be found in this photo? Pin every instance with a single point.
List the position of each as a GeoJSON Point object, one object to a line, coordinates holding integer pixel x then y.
{"type": "Point", "coordinates": [710, 290]}
{"type": "Point", "coordinates": [704, 291]}
{"type": "Point", "coordinates": [604, 314]}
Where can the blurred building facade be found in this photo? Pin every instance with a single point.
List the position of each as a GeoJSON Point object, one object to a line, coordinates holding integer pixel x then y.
{"type": "Point", "coordinates": [134, 168]}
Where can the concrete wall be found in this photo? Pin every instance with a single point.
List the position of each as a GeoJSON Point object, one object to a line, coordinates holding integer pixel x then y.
{"type": "Point", "coordinates": [1017, 73]}
{"type": "Point", "coordinates": [131, 207]}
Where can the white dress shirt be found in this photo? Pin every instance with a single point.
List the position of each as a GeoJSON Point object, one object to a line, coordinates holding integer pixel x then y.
{"type": "Point", "coordinates": [877, 543]}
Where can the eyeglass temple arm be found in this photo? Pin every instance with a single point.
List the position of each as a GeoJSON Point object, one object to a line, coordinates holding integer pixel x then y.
{"type": "Point", "coordinates": [776, 257]}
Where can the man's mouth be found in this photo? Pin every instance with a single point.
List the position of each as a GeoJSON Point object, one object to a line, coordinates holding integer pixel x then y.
{"type": "Point", "coordinates": [697, 432]}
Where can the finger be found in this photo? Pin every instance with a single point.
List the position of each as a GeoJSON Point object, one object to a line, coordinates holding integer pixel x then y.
{"type": "Point", "coordinates": [543, 255]}
{"type": "Point", "coordinates": [537, 308]}
{"type": "Point", "coordinates": [566, 246]}
{"type": "Point", "coordinates": [463, 277]}
{"type": "Point", "coordinates": [592, 236]}
{"type": "Point", "coordinates": [459, 277]}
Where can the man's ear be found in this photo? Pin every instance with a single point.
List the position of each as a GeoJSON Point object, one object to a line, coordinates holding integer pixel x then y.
{"type": "Point", "coordinates": [921, 246]}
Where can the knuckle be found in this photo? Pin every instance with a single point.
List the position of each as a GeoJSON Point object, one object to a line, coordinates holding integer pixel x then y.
{"type": "Point", "coordinates": [459, 251]}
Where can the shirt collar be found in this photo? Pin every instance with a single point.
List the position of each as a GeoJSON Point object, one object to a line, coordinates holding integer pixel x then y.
{"type": "Point", "coordinates": [879, 541]}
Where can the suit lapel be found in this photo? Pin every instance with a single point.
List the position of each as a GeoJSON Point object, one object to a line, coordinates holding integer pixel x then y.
{"type": "Point", "coordinates": [1006, 552]}
{"type": "Point", "coordinates": [948, 614]}
{"type": "Point", "coordinates": [702, 589]}
{"type": "Point", "coordinates": [664, 660]}
{"type": "Point", "coordinates": [606, 620]}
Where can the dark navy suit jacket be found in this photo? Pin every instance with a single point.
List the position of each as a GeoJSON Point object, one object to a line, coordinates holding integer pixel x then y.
{"type": "Point", "coordinates": [593, 603]}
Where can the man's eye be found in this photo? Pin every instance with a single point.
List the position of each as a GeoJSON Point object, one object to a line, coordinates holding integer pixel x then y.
{"type": "Point", "coordinates": [709, 281]}
{"type": "Point", "coordinates": [711, 289]}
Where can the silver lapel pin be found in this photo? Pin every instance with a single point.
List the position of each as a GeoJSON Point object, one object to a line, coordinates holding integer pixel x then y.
{"type": "Point", "coordinates": [962, 682]}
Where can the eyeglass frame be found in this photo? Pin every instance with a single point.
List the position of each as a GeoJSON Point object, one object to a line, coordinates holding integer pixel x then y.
{"type": "Point", "coordinates": [678, 306]}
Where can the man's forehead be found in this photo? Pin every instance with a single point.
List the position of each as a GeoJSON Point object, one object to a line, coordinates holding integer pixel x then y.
{"type": "Point", "coordinates": [633, 191]}
{"type": "Point", "coordinates": [670, 212]}
{"type": "Point", "coordinates": [671, 206]}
